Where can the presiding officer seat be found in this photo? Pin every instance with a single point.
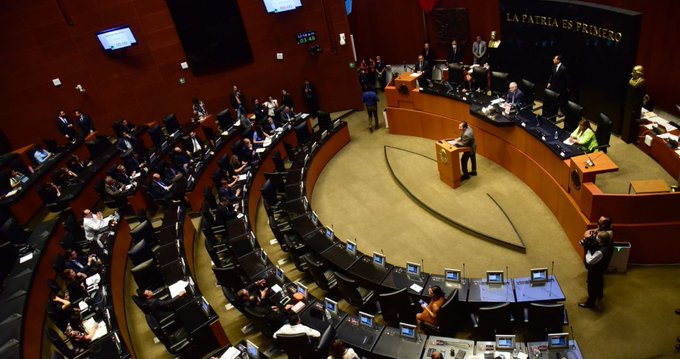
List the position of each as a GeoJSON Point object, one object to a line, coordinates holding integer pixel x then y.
{"type": "Point", "coordinates": [499, 83]}
{"type": "Point", "coordinates": [550, 105]}
{"type": "Point", "coordinates": [529, 90]}
{"type": "Point", "coordinates": [604, 131]}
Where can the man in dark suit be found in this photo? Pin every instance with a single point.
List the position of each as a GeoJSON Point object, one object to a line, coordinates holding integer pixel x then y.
{"type": "Point", "coordinates": [309, 92]}
{"type": "Point", "coordinates": [455, 53]}
{"type": "Point", "coordinates": [159, 306]}
{"type": "Point", "coordinates": [287, 115]}
{"type": "Point", "coordinates": [559, 81]}
{"type": "Point", "coordinates": [238, 101]}
{"type": "Point", "coordinates": [515, 96]}
{"type": "Point", "coordinates": [423, 66]}
{"type": "Point", "coordinates": [85, 123]}
{"type": "Point", "coordinates": [225, 211]}
{"type": "Point", "coordinates": [65, 126]}
{"type": "Point", "coordinates": [427, 53]}
{"type": "Point", "coordinates": [160, 190]}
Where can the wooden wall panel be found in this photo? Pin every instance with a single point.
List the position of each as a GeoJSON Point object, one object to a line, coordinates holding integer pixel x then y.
{"type": "Point", "coordinates": [143, 84]}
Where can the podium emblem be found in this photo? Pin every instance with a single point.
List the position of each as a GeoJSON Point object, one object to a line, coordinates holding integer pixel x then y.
{"type": "Point", "coordinates": [443, 158]}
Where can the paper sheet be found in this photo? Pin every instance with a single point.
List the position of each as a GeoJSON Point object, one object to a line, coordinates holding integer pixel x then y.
{"type": "Point", "coordinates": [231, 353]}
{"type": "Point", "coordinates": [25, 258]}
{"type": "Point", "coordinates": [177, 287]}
{"type": "Point", "coordinates": [94, 279]}
{"type": "Point", "coordinates": [648, 140]}
{"type": "Point", "coordinates": [101, 329]}
{"type": "Point", "coordinates": [416, 288]}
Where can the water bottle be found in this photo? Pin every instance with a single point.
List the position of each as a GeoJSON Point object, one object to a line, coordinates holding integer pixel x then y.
{"type": "Point", "coordinates": [557, 135]}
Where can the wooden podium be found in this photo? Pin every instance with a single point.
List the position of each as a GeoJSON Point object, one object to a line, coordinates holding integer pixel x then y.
{"type": "Point", "coordinates": [448, 162]}
{"type": "Point", "coordinates": [407, 79]}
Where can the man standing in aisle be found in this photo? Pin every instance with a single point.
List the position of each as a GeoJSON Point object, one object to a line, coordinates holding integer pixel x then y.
{"type": "Point", "coordinates": [467, 139]}
{"type": "Point", "coordinates": [370, 99]}
{"type": "Point", "coordinates": [478, 51]}
{"type": "Point", "coordinates": [598, 247]}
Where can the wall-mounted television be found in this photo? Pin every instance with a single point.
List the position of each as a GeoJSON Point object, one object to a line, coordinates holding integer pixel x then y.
{"type": "Point", "coordinates": [116, 38]}
{"type": "Point", "coordinates": [276, 6]}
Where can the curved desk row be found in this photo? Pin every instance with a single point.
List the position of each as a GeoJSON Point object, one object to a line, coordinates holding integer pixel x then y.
{"type": "Point", "coordinates": [646, 221]}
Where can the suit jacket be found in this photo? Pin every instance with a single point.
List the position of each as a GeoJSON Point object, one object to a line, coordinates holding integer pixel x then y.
{"type": "Point", "coordinates": [115, 190]}
{"type": "Point", "coordinates": [558, 79]}
{"type": "Point", "coordinates": [64, 128]}
{"type": "Point", "coordinates": [224, 214]}
{"type": "Point", "coordinates": [234, 101]}
{"type": "Point", "coordinates": [285, 117]}
{"type": "Point", "coordinates": [479, 50]}
{"type": "Point", "coordinates": [85, 123]}
{"type": "Point", "coordinates": [427, 55]}
{"type": "Point", "coordinates": [158, 192]}
{"type": "Point", "coordinates": [456, 56]}
{"type": "Point", "coordinates": [467, 139]}
{"type": "Point", "coordinates": [424, 67]}
{"type": "Point", "coordinates": [516, 98]}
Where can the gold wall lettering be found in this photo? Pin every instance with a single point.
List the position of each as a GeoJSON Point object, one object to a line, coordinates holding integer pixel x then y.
{"type": "Point", "coordinates": [566, 24]}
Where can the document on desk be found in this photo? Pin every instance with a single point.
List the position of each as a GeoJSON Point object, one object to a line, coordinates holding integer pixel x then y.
{"type": "Point", "coordinates": [416, 288]}
{"type": "Point", "coordinates": [260, 150]}
{"type": "Point", "coordinates": [415, 74]}
{"type": "Point", "coordinates": [101, 328]}
{"type": "Point", "coordinates": [27, 257]}
{"type": "Point", "coordinates": [267, 142]}
{"type": "Point", "coordinates": [82, 305]}
{"type": "Point", "coordinates": [231, 353]}
{"type": "Point", "coordinates": [276, 288]}
{"type": "Point", "coordinates": [94, 279]}
{"type": "Point", "coordinates": [567, 141]}
{"type": "Point", "coordinates": [177, 288]}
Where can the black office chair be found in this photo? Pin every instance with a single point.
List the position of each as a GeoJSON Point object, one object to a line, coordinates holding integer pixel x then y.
{"type": "Point", "coordinates": [351, 292]}
{"type": "Point", "coordinates": [278, 162]}
{"type": "Point", "coordinates": [542, 319]}
{"type": "Point", "coordinates": [604, 131]}
{"type": "Point", "coordinates": [175, 338]}
{"type": "Point", "coordinates": [300, 346]}
{"type": "Point", "coordinates": [262, 322]}
{"type": "Point", "coordinates": [147, 276]}
{"type": "Point", "coordinates": [173, 272]}
{"type": "Point", "coordinates": [529, 90]}
{"type": "Point", "coordinates": [144, 231]}
{"type": "Point", "coordinates": [140, 252]}
{"type": "Point", "coordinates": [397, 307]}
{"type": "Point", "coordinates": [220, 254]}
{"type": "Point", "coordinates": [230, 276]}
{"type": "Point", "coordinates": [499, 82]}
{"type": "Point", "coordinates": [480, 82]}
{"type": "Point", "coordinates": [451, 317]}
{"type": "Point", "coordinates": [550, 105]}
{"type": "Point", "coordinates": [456, 76]}
{"type": "Point", "coordinates": [210, 199]}
{"type": "Point", "coordinates": [488, 321]}
{"type": "Point", "coordinates": [324, 278]}
{"type": "Point", "coordinates": [573, 113]}
{"type": "Point", "coordinates": [210, 222]}
{"type": "Point", "coordinates": [60, 344]}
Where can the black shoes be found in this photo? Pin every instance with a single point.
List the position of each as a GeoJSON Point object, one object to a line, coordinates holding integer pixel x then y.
{"type": "Point", "coordinates": [370, 129]}
{"type": "Point", "coordinates": [464, 177]}
{"type": "Point", "coordinates": [585, 305]}
{"type": "Point", "coordinates": [473, 173]}
{"type": "Point", "coordinates": [677, 311]}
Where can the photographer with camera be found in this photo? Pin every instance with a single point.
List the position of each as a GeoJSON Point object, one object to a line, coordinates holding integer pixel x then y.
{"type": "Point", "coordinates": [598, 247]}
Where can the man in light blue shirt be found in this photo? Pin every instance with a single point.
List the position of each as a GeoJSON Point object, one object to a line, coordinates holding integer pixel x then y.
{"type": "Point", "coordinates": [41, 154]}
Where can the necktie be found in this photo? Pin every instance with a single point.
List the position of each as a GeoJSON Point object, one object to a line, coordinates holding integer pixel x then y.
{"type": "Point", "coordinates": [197, 146]}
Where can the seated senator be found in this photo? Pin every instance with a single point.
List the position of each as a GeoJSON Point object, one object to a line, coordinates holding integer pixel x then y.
{"type": "Point", "coordinates": [515, 96]}
{"type": "Point", "coordinates": [583, 137]}
{"type": "Point", "coordinates": [431, 310]}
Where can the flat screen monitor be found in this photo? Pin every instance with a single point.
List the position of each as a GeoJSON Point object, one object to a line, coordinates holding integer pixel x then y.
{"type": "Point", "coordinates": [366, 319]}
{"type": "Point", "coordinates": [494, 277]}
{"type": "Point", "coordinates": [539, 275]}
{"type": "Point", "coordinates": [505, 342]}
{"type": "Point", "coordinates": [263, 256]}
{"type": "Point", "coordinates": [252, 350]}
{"type": "Point", "coordinates": [329, 233]}
{"type": "Point", "coordinates": [351, 248]}
{"type": "Point", "coordinates": [379, 259]}
{"type": "Point", "coordinates": [280, 274]}
{"type": "Point", "coordinates": [331, 306]}
{"type": "Point", "coordinates": [116, 38]}
{"type": "Point", "coordinates": [205, 306]}
{"type": "Point", "coordinates": [314, 218]}
{"type": "Point", "coordinates": [452, 275]}
{"type": "Point", "coordinates": [558, 340]}
{"type": "Point", "coordinates": [277, 6]}
{"type": "Point", "coordinates": [301, 288]}
{"type": "Point", "coordinates": [407, 330]}
{"type": "Point", "coordinates": [412, 268]}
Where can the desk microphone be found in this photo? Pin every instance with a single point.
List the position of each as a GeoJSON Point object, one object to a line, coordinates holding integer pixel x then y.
{"type": "Point", "coordinates": [422, 265]}
{"type": "Point", "coordinates": [573, 338]}
{"type": "Point", "coordinates": [356, 243]}
{"type": "Point", "coordinates": [381, 252]}
{"type": "Point", "coordinates": [463, 270]}
{"type": "Point", "coordinates": [507, 278]}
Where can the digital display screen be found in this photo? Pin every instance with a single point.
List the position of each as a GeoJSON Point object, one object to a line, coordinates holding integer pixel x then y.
{"type": "Point", "coordinates": [306, 37]}
{"type": "Point", "coordinates": [315, 218]}
{"type": "Point", "coordinates": [279, 274]}
{"type": "Point", "coordinates": [302, 289]}
{"type": "Point", "coordinates": [366, 319]}
{"type": "Point", "coordinates": [539, 275]}
{"type": "Point", "coordinates": [351, 247]}
{"type": "Point", "coordinates": [494, 277]}
{"type": "Point", "coordinates": [331, 306]}
{"type": "Point", "coordinates": [505, 341]}
{"type": "Point", "coordinates": [116, 38]}
{"type": "Point", "coordinates": [557, 341]}
{"type": "Point", "coordinates": [252, 349]}
{"type": "Point", "coordinates": [452, 275]}
{"type": "Point", "coordinates": [263, 256]}
{"type": "Point", "coordinates": [329, 233]}
{"type": "Point", "coordinates": [407, 330]}
{"type": "Point", "coordinates": [412, 268]}
{"type": "Point", "coordinates": [379, 259]}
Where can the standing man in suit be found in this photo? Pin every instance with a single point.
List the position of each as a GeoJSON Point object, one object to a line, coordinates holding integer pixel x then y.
{"type": "Point", "coordinates": [85, 123]}
{"type": "Point", "coordinates": [427, 53]}
{"type": "Point", "coordinates": [479, 51]}
{"type": "Point", "coordinates": [65, 126]}
{"type": "Point", "coordinates": [423, 66]}
{"type": "Point", "coordinates": [455, 53]}
{"type": "Point", "coordinates": [309, 92]}
{"type": "Point", "coordinates": [238, 101]}
{"type": "Point", "coordinates": [381, 72]}
{"type": "Point", "coordinates": [559, 81]}
{"type": "Point", "coordinates": [467, 139]}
